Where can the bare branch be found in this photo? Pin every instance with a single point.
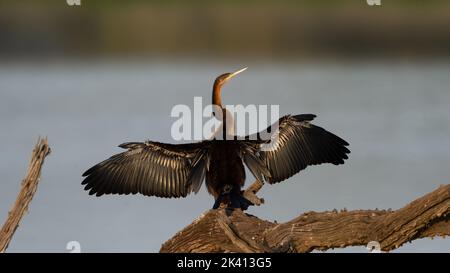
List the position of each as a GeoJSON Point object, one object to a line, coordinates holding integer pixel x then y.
{"type": "Point", "coordinates": [28, 188]}
{"type": "Point", "coordinates": [427, 216]}
{"type": "Point", "coordinates": [250, 193]}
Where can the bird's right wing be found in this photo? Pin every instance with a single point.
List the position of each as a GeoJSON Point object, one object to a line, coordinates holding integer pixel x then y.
{"type": "Point", "coordinates": [150, 168]}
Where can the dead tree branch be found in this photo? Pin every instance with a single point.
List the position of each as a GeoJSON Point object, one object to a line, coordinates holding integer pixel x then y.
{"type": "Point", "coordinates": [28, 188]}
{"type": "Point", "coordinates": [214, 231]}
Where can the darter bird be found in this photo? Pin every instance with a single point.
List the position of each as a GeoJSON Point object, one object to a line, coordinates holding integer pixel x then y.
{"type": "Point", "coordinates": [176, 170]}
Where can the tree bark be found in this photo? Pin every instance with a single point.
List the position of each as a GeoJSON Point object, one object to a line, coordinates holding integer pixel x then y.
{"type": "Point", "coordinates": [28, 188]}
{"type": "Point", "coordinates": [224, 230]}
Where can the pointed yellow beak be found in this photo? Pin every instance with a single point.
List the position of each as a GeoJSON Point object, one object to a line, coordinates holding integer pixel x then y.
{"type": "Point", "coordinates": [235, 73]}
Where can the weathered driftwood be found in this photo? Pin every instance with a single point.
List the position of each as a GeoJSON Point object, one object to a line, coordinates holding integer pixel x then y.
{"type": "Point", "coordinates": [225, 231]}
{"type": "Point", "coordinates": [28, 188]}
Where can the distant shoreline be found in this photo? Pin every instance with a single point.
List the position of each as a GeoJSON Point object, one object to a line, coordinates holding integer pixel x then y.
{"type": "Point", "coordinates": [252, 31]}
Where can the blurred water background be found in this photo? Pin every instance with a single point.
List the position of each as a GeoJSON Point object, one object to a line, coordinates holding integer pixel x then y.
{"type": "Point", "coordinates": [94, 76]}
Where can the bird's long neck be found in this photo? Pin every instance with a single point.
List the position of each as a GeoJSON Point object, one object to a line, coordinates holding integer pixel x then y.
{"type": "Point", "coordinates": [217, 94]}
{"type": "Point", "coordinates": [227, 126]}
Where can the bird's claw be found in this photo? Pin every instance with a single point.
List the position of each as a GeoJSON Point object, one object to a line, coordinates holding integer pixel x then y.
{"type": "Point", "coordinates": [242, 200]}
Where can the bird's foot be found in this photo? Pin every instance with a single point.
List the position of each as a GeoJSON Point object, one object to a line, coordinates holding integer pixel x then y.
{"type": "Point", "coordinates": [218, 202]}
{"type": "Point", "coordinates": [244, 203]}
{"type": "Point", "coordinates": [241, 200]}
{"type": "Point", "coordinates": [233, 201]}
{"type": "Point", "coordinates": [224, 197]}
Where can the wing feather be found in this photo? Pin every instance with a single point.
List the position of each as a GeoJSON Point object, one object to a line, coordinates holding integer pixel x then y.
{"type": "Point", "coordinates": [149, 168]}
{"type": "Point", "coordinates": [296, 145]}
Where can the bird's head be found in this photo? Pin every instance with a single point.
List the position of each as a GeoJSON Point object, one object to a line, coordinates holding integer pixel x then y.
{"type": "Point", "coordinates": [222, 79]}
{"type": "Point", "coordinates": [219, 82]}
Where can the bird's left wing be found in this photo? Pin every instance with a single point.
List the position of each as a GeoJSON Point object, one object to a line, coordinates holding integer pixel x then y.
{"type": "Point", "coordinates": [295, 145]}
{"type": "Point", "coordinates": [150, 168]}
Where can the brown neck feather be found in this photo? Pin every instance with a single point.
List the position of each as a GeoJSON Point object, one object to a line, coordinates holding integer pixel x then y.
{"type": "Point", "coordinates": [216, 99]}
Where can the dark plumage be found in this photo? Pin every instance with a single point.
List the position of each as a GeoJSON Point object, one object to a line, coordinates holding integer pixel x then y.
{"type": "Point", "coordinates": [175, 170]}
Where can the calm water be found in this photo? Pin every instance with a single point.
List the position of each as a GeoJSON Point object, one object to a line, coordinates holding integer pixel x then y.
{"type": "Point", "coordinates": [395, 116]}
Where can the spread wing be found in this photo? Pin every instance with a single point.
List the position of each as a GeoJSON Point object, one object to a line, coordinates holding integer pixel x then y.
{"type": "Point", "coordinates": [298, 144]}
{"type": "Point", "coordinates": [150, 168]}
